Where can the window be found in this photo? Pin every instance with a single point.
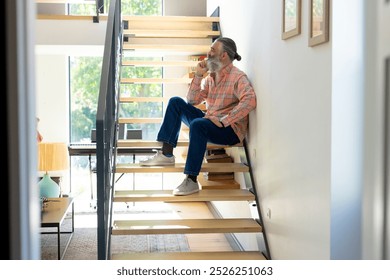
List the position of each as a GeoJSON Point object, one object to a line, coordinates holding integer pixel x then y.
{"type": "Point", "coordinates": [84, 90]}
{"type": "Point", "coordinates": [87, 8]}
{"type": "Point", "coordinates": [142, 109]}
{"type": "Point", "coordinates": [84, 86]}
{"type": "Point", "coordinates": [129, 7]}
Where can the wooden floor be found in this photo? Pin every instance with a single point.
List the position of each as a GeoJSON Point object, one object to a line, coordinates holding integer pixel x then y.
{"type": "Point", "coordinates": [201, 242]}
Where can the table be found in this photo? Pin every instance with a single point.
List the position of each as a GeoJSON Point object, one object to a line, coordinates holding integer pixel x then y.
{"type": "Point", "coordinates": [89, 149]}
{"type": "Point", "coordinates": [53, 215]}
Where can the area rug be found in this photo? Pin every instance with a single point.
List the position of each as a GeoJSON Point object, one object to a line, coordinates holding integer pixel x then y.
{"type": "Point", "coordinates": [83, 244]}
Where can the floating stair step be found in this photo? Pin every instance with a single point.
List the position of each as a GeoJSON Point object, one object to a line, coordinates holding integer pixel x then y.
{"type": "Point", "coordinates": [161, 19]}
{"type": "Point", "coordinates": [169, 22]}
{"type": "Point", "coordinates": [217, 184]}
{"type": "Point", "coordinates": [185, 226]}
{"type": "Point", "coordinates": [140, 120]}
{"type": "Point", "coordinates": [239, 255]}
{"type": "Point", "coordinates": [65, 17]}
{"type": "Point", "coordinates": [132, 99]}
{"type": "Point", "coordinates": [164, 63]}
{"type": "Point", "coordinates": [142, 99]}
{"type": "Point", "coordinates": [201, 106]}
{"type": "Point", "coordinates": [166, 196]}
{"type": "Point", "coordinates": [161, 33]}
{"type": "Point", "coordinates": [179, 167]}
{"type": "Point", "coordinates": [155, 81]}
{"type": "Point", "coordinates": [161, 48]}
{"type": "Point", "coordinates": [155, 144]}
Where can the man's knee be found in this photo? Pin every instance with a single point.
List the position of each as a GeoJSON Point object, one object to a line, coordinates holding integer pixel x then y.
{"type": "Point", "coordinates": [176, 100]}
{"type": "Point", "coordinates": [199, 124]}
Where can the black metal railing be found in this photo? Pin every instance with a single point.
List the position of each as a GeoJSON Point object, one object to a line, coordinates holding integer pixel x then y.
{"type": "Point", "coordinates": [106, 127]}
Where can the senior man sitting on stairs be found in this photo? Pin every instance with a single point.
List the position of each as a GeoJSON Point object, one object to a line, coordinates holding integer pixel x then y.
{"type": "Point", "coordinates": [229, 97]}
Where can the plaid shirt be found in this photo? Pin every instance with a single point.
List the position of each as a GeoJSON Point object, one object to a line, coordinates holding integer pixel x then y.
{"type": "Point", "coordinates": [230, 100]}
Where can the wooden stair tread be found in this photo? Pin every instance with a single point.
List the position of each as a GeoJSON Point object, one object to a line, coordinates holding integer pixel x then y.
{"type": "Point", "coordinates": [140, 120]}
{"type": "Point", "coordinates": [185, 226]}
{"type": "Point", "coordinates": [167, 196]}
{"type": "Point", "coordinates": [228, 255]}
{"type": "Point", "coordinates": [66, 17]}
{"type": "Point", "coordinates": [155, 81]}
{"type": "Point", "coordinates": [179, 167]}
{"type": "Point", "coordinates": [164, 63]}
{"type": "Point", "coordinates": [162, 33]}
{"type": "Point", "coordinates": [142, 99]}
{"type": "Point", "coordinates": [194, 49]}
{"type": "Point", "coordinates": [155, 144]}
{"type": "Point", "coordinates": [160, 19]}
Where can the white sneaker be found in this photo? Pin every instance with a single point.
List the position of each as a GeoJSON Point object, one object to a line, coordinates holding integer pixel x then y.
{"type": "Point", "coordinates": [158, 160]}
{"type": "Point", "coordinates": [187, 187]}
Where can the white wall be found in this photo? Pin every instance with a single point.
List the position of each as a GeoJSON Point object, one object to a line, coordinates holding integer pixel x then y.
{"type": "Point", "coordinates": [67, 37]}
{"type": "Point", "coordinates": [53, 97]}
{"type": "Point", "coordinates": [53, 103]}
{"type": "Point", "coordinates": [290, 131]}
{"type": "Point", "coordinates": [184, 7]}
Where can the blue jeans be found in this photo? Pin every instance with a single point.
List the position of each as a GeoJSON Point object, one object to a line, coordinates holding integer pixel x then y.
{"type": "Point", "coordinates": [202, 131]}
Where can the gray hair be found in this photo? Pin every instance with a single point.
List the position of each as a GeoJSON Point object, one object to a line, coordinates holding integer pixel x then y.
{"type": "Point", "coordinates": [229, 46]}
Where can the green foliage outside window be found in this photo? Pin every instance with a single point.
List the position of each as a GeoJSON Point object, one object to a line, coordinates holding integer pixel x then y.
{"type": "Point", "coordinates": [128, 7]}
{"type": "Point", "coordinates": [141, 7]}
{"type": "Point", "coordinates": [85, 84]}
{"type": "Point", "coordinates": [142, 109]}
{"type": "Point", "coordinates": [85, 75]}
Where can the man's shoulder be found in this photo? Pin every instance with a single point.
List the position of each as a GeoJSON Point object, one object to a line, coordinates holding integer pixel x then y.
{"type": "Point", "coordinates": [237, 72]}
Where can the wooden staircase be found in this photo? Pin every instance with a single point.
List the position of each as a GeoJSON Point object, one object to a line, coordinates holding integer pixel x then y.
{"type": "Point", "coordinates": [187, 36]}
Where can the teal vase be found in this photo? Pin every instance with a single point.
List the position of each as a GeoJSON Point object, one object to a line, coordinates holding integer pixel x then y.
{"type": "Point", "coordinates": [48, 188]}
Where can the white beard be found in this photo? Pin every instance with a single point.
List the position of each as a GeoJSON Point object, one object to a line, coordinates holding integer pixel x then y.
{"type": "Point", "coordinates": [214, 64]}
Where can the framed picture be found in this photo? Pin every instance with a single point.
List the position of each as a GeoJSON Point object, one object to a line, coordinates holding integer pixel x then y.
{"type": "Point", "coordinates": [291, 25]}
{"type": "Point", "coordinates": [319, 22]}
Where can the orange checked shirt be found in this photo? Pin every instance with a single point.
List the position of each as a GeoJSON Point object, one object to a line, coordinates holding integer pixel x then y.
{"type": "Point", "coordinates": [230, 100]}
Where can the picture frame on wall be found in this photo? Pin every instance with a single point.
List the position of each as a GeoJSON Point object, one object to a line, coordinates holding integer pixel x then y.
{"type": "Point", "coordinates": [318, 22]}
{"type": "Point", "coordinates": [291, 19]}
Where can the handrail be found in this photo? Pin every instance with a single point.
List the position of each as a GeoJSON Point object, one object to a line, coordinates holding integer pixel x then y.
{"type": "Point", "coordinates": [106, 127]}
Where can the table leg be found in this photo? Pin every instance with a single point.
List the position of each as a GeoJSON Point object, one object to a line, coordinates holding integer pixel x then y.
{"type": "Point", "coordinates": [59, 241]}
{"type": "Point", "coordinates": [72, 217]}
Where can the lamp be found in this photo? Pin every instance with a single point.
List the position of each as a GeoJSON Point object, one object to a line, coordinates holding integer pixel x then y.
{"type": "Point", "coordinates": [51, 157]}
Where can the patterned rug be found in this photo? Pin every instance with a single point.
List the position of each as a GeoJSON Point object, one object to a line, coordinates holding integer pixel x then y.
{"type": "Point", "coordinates": [83, 244]}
